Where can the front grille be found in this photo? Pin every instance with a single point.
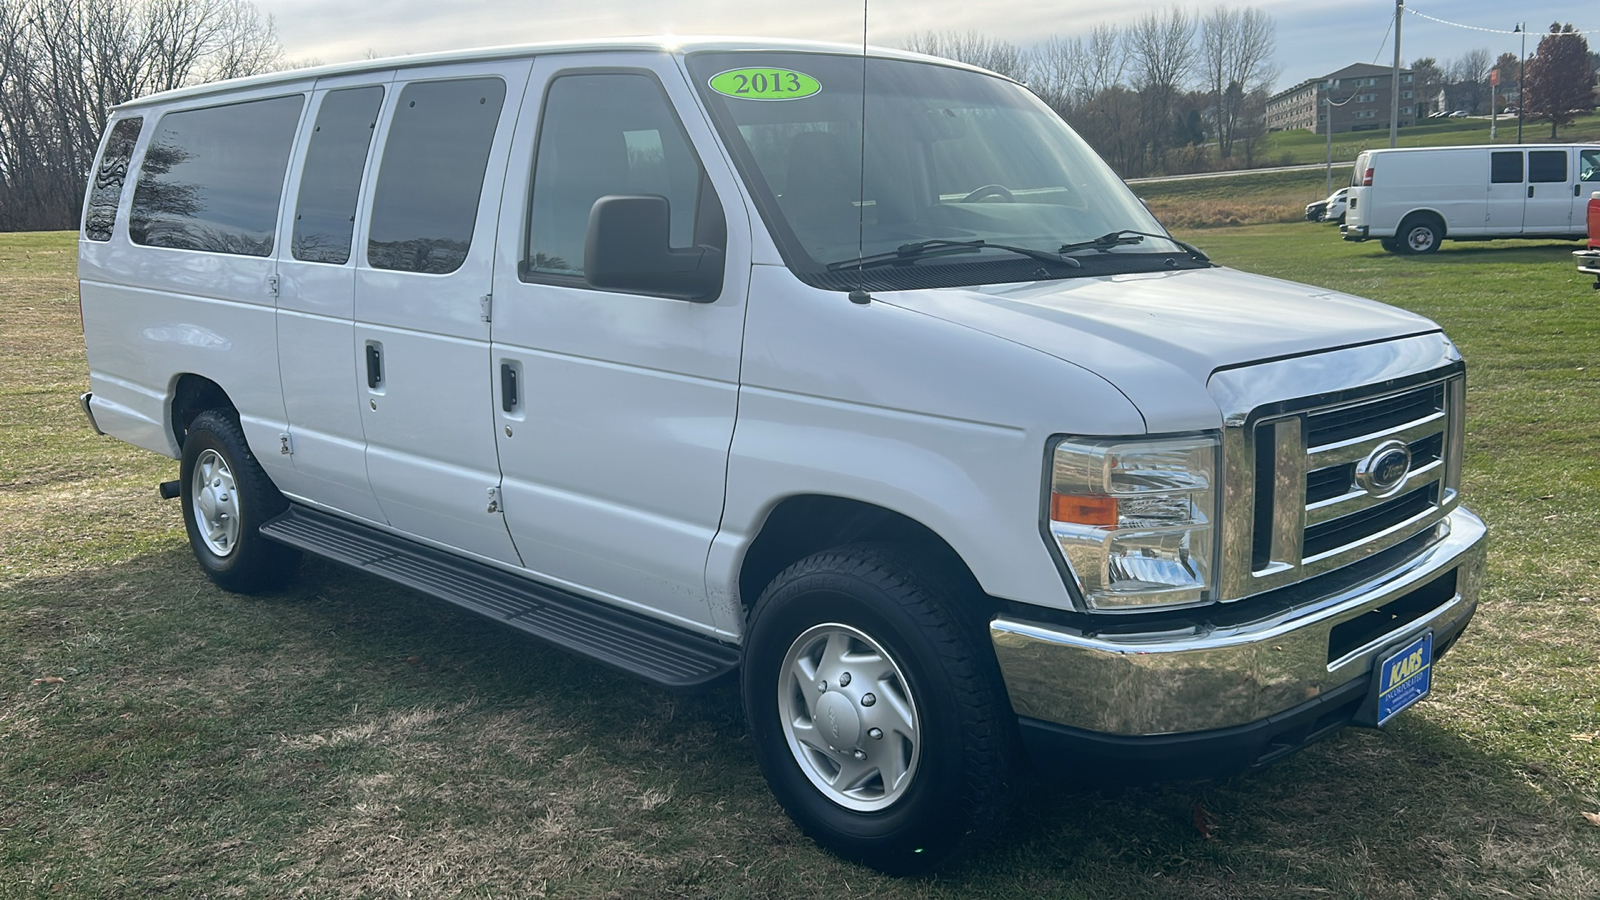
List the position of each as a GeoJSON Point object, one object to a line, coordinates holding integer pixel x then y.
{"type": "Point", "coordinates": [1316, 507]}
{"type": "Point", "coordinates": [1356, 527]}
{"type": "Point", "coordinates": [1342, 424]}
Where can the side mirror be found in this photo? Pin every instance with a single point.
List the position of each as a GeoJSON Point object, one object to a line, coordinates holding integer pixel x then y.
{"type": "Point", "coordinates": [628, 248]}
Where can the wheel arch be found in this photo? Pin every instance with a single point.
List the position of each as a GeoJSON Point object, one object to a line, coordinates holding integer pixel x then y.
{"type": "Point", "coordinates": [1424, 212]}
{"type": "Point", "coordinates": [192, 395]}
{"type": "Point", "coordinates": [803, 524]}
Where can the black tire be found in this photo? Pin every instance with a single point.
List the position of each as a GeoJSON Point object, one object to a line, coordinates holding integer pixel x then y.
{"type": "Point", "coordinates": [223, 516]}
{"type": "Point", "coordinates": [1420, 234]}
{"type": "Point", "coordinates": [1390, 244]}
{"type": "Point", "coordinates": [965, 732]}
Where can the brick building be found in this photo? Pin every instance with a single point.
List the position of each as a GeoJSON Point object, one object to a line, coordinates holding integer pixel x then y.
{"type": "Point", "coordinates": [1362, 89]}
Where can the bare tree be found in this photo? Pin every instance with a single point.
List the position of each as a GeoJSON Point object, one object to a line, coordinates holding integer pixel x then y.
{"type": "Point", "coordinates": [1105, 61]}
{"type": "Point", "coordinates": [973, 49]}
{"type": "Point", "coordinates": [1161, 50]}
{"type": "Point", "coordinates": [1236, 48]}
{"type": "Point", "coordinates": [1470, 74]}
{"type": "Point", "coordinates": [243, 44]}
{"type": "Point", "coordinates": [65, 63]}
{"type": "Point", "coordinates": [1056, 71]}
{"type": "Point", "coordinates": [1427, 80]}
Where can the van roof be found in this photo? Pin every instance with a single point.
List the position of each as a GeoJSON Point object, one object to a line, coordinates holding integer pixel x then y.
{"type": "Point", "coordinates": [658, 44]}
{"type": "Point", "coordinates": [1544, 146]}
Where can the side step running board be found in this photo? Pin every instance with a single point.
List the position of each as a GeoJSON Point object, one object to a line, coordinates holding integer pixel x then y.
{"type": "Point", "coordinates": [671, 657]}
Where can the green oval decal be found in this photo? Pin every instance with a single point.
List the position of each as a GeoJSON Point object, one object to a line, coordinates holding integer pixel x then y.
{"type": "Point", "coordinates": [765, 84]}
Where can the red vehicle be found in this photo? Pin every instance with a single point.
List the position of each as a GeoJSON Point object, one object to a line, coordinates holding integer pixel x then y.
{"type": "Point", "coordinates": [1589, 257]}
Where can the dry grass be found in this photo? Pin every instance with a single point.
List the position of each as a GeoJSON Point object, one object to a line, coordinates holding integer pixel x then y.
{"type": "Point", "coordinates": [343, 738]}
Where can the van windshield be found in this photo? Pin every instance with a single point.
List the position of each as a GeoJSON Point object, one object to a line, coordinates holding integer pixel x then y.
{"type": "Point", "coordinates": [949, 158]}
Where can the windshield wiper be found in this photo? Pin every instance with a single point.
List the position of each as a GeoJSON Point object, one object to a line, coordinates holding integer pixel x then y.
{"type": "Point", "coordinates": [1105, 242]}
{"type": "Point", "coordinates": [906, 253]}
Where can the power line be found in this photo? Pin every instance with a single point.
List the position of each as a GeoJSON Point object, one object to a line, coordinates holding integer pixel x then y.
{"type": "Point", "coordinates": [1424, 15]}
{"type": "Point", "coordinates": [1385, 42]}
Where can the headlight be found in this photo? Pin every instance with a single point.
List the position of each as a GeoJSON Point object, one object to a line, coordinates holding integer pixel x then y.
{"type": "Point", "coordinates": [1134, 519]}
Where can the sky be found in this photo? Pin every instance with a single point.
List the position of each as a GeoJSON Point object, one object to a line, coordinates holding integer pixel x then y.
{"type": "Point", "coordinates": [1315, 37]}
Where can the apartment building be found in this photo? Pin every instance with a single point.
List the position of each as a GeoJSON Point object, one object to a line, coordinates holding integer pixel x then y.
{"type": "Point", "coordinates": [1360, 96]}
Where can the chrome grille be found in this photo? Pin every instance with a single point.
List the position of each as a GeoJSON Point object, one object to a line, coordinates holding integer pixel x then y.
{"type": "Point", "coordinates": [1310, 511]}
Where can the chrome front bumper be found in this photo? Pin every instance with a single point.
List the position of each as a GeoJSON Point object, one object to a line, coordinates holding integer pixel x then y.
{"type": "Point", "coordinates": [1204, 677]}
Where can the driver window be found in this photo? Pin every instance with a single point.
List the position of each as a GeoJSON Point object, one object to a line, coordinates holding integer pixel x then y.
{"type": "Point", "coordinates": [1589, 165]}
{"type": "Point", "coordinates": [611, 133]}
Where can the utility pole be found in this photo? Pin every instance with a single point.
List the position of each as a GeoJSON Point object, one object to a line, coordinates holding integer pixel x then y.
{"type": "Point", "coordinates": [1522, 70]}
{"type": "Point", "coordinates": [1394, 80]}
{"type": "Point", "coordinates": [1327, 127]}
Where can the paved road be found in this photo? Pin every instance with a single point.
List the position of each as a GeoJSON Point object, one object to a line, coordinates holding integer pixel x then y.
{"type": "Point", "coordinates": [1312, 167]}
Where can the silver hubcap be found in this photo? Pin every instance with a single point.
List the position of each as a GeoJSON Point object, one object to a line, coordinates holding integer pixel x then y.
{"type": "Point", "coordinates": [1421, 238]}
{"type": "Point", "coordinates": [849, 717]}
{"type": "Point", "coordinates": [216, 503]}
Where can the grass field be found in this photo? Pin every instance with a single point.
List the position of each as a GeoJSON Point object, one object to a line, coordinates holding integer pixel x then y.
{"type": "Point", "coordinates": [1292, 147]}
{"type": "Point", "coordinates": [1260, 198]}
{"type": "Point", "coordinates": [343, 738]}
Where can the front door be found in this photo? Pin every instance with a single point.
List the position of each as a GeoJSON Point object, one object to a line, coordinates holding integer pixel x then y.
{"type": "Point", "coordinates": [1551, 179]}
{"type": "Point", "coordinates": [615, 410]}
{"type": "Point", "coordinates": [421, 341]}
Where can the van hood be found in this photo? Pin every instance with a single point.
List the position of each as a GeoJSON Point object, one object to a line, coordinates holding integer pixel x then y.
{"type": "Point", "coordinates": [1158, 337]}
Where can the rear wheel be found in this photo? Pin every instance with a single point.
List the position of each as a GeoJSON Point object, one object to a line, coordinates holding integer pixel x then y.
{"type": "Point", "coordinates": [876, 710]}
{"type": "Point", "coordinates": [1420, 234]}
{"type": "Point", "coordinates": [226, 496]}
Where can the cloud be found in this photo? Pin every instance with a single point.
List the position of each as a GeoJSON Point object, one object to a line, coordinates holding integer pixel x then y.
{"type": "Point", "coordinates": [1314, 36]}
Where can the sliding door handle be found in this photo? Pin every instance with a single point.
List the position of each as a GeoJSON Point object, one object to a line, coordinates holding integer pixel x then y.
{"type": "Point", "coordinates": [508, 387]}
{"type": "Point", "coordinates": [374, 366]}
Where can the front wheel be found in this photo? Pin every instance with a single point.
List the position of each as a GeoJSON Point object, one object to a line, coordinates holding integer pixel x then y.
{"type": "Point", "coordinates": [877, 711]}
{"type": "Point", "coordinates": [226, 497]}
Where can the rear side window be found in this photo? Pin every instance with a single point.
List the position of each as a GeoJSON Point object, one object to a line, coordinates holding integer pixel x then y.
{"type": "Point", "coordinates": [426, 203]}
{"type": "Point", "coordinates": [212, 178]}
{"type": "Point", "coordinates": [1505, 167]}
{"type": "Point", "coordinates": [1546, 166]}
{"type": "Point", "coordinates": [325, 213]}
{"type": "Point", "coordinates": [106, 192]}
{"type": "Point", "coordinates": [611, 133]}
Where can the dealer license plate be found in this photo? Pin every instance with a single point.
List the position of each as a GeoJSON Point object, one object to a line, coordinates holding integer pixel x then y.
{"type": "Point", "coordinates": [1404, 677]}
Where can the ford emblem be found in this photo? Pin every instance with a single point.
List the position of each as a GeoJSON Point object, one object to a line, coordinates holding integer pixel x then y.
{"type": "Point", "coordinates": [1385, 469]}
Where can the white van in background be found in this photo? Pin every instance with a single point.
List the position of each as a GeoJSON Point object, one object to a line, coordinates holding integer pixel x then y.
{"type": "Point", "coordinates": [1412, 199]}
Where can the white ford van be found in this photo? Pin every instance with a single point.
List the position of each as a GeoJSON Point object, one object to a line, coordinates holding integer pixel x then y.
{"type": "Point", "coordinates": [1412, 199]}
{"type": "Point", "coordinates": [910, 417]}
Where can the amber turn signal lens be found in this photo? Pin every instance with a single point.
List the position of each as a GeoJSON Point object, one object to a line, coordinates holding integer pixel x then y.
{"type": "Point", "coordinates": [1084, 510]}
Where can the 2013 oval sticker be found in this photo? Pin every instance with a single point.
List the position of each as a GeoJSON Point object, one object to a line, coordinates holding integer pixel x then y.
{"type": "Point", "coordinates": [765, 84]}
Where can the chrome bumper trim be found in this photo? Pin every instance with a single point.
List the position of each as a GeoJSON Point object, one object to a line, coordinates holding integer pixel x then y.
{"type": "Point", "coordinates": [1588, 261]}
{"type": "Point", "coordinates": [1195, 680]}
{"type": "Point", "coordinates": [88, 411]}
